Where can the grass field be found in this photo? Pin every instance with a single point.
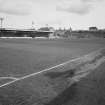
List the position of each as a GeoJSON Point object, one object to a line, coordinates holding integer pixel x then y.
{"type": "Point", "coordinates": [21, 57]}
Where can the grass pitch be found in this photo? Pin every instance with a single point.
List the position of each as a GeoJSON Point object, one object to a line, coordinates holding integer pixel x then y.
{"type": "Point", "coordinates": [23, 57]}
{"type": "Point", "coordinates": [19, 57]}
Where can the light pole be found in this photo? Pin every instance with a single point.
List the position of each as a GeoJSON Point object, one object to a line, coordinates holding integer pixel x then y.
{"type": "Point", "coordinates": [1, 25]}
{"type": "Point", "coordinates": [70, 32]}
{"type": "Point", "coordinates": [33, 25]}
{"type": "Point", "coordinates": [1, 22]}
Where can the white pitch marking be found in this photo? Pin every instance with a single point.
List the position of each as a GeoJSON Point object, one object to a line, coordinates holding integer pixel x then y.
{"type": "Point", "coordinates": [8, 78]}
{"type": "Point", "coordinates": [33, 74]}
{"type": "Point", "coordinates": [48, 69]}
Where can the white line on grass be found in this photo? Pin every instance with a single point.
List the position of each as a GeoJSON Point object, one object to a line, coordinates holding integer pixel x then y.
{"type": "Point", "coordinates": [33, 74]}
{"type": "Point", "coordinates": [36, 73]}
{"type": "Point", "coordinates": [48, 69]}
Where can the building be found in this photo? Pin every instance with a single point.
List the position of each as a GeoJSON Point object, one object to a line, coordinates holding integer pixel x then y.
{"type": "Point", "coordinates": [24, 33]}
{"type": "Point", "coordinates": [93, 29]}
{"type": "Point", "coordinates": [48, 29]}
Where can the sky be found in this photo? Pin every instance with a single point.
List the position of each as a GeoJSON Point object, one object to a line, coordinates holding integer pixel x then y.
{"type": "Point", "coordinates": [77, 14]}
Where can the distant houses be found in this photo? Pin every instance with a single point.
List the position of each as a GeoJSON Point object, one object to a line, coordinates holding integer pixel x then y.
{"type": "Point", "coordinates": [63, 33]}
{"type": "Point", "coordinates": [46, 29]}
{"type": "Point", "coordinates": [93, 29]}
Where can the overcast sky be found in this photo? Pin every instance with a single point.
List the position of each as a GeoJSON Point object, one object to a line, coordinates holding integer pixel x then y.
{"type": "Point", "coordinates": [79, 14]}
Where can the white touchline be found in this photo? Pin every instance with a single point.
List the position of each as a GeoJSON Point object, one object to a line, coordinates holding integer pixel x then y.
{"type": "Point", "coordinates": [48, 69]}
{"type": "Point", "coordinates": [33, 74]}
{"type": "Point", "coordinates": [8, 78]}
